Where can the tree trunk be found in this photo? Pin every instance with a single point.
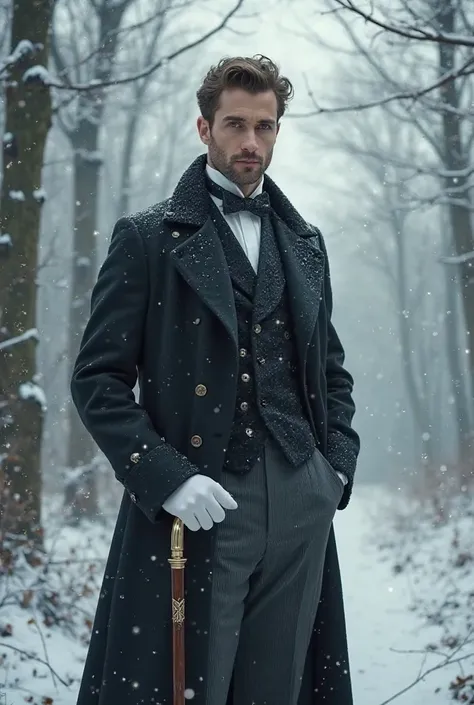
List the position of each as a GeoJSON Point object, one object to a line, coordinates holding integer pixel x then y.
{"type": "Point", "coordinates": [28, 120]}
{"type": "Point", "coordinates": [80, 492]}
{"type": "Point", "coordinates": [126, 171]}
{"type": "Point", "coordinates": [457, 375]}
{"type": "Point", "coordinates": [423, 432]}
{"type": "Point", "coordinates": [456, 158]}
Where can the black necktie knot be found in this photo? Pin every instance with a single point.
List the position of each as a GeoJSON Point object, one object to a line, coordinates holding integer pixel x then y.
{"type": "Point", "coordinates": [231, 203]}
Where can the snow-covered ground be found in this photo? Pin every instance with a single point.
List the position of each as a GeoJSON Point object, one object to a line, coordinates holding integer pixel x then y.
{"type": "Point", "coordinates": [387, 609]}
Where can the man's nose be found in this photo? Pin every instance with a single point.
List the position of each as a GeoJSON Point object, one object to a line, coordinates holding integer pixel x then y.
{"type": "Point", "coordinates": [250, 142]}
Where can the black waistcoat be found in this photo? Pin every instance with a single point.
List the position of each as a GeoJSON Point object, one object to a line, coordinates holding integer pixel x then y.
{"type": "Point", "coordinates": [268, 394]}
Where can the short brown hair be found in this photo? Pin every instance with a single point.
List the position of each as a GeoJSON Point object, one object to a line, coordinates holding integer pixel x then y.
{"type": "Point", "coordinates": [254, 74]}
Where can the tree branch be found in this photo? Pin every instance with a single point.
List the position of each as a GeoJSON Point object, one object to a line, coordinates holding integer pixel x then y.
{"type": "Point", "coordinates": [95, 85]}
{"type": "Point", "coordinates": [410, 32]}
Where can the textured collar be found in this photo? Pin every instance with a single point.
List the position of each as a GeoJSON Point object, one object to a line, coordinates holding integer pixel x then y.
{"type": "Point", "coordinates": [189, 203]}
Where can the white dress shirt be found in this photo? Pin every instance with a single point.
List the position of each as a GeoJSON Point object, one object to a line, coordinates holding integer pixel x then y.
{"type": "Point", "coordinates": [247, 227]}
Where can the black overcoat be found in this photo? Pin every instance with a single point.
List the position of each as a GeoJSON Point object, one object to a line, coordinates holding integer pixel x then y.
{"type": "Point", "coordinates": [163, 312]}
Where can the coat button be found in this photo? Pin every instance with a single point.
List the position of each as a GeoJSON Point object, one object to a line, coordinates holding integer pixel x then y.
{"type": "Point", "coordinates": [245, 377]}
{"type": "Point", "coordinates": [244, 406]}
{"type": "Point", "coordinates": [257, 328]}
{"type": "Point", "coordinates": [201, 390]}
{"type": "Point", "coordinates": [196, 441]}
{"type": "Point", "coordinates": [249, 432]}
{"type": "Point", "coordinates": [133, 497]}
{"type": "Point", "coordinates": [242, 352]}
{"type": "Point", "coordinates": [135, 457]}
{"type": "Point", "coordinates": [175, 233]}
{"type": "Point", "coordinates": [197, 321]}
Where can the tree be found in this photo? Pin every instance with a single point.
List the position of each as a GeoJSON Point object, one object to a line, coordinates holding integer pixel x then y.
{"type": "Point", "coordinates": [421, 58]}
{"type": "Point", "coordinates": [82, 123]}
{"type": "Point", "coordinates": [22, 401]}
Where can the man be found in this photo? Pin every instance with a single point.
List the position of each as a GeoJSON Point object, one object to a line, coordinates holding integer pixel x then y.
{"type": "Point", "coordinates": [219, 299]}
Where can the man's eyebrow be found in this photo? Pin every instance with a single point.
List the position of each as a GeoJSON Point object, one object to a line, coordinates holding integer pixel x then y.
{"type": "Point", "coordinates": [237, 118]}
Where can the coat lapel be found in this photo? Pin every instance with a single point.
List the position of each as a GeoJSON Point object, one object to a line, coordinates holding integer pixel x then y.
{"type": "Point", "coordinates": [200, 258]}
{"type": "Point", "coordinates": [201, 261]}
{"type": "Point", "coordinates": [241, 271]}
{"type": "Point", "coordinates": [303, 263]}
{"type": "Point", "coordinates": [271, 278]}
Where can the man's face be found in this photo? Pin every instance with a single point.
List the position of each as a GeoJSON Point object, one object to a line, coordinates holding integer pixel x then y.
{"type": "Point", "coordinates": [240, 143]}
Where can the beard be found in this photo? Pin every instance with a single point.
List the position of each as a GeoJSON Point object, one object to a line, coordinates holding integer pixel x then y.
{"type": "Point", "coordinates": [242, 175]}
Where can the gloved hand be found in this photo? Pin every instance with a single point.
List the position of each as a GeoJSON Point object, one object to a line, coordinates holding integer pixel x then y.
{"type": "Point", "coordinates": [199, 502]}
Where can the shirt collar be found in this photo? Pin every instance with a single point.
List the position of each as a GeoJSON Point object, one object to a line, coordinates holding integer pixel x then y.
{"type": "Point", "coordinates": [229, 185]}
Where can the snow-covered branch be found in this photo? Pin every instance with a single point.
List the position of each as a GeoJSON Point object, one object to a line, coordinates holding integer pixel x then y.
{"type": "Point", "coordinates": [32, 333]}
{"type": "Point", "coordinates": [458, 259]}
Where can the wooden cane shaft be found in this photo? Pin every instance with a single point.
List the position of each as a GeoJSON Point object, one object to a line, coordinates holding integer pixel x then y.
{"type": "Point", "coordinates": [179, 670]}
{"type": "Point", "coordinates": [177, 563]}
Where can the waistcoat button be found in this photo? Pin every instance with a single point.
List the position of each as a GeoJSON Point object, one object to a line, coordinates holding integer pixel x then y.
{"type": "Point", "coordinates": [243, 352]}
{"type": "Point", "coordinates": [244, 406]}
{"type": "Point", "coordinates": [196, 441]}
{"type": "Point", "coordinates": [249, 432]}
{"type": "Point", "coordinates": [201, 390]}
{"type": "Point", "coordinates": [245, 377]}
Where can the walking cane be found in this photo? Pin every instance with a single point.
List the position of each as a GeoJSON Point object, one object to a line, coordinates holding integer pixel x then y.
{"type": "Point", "coordinates": [177, 563]}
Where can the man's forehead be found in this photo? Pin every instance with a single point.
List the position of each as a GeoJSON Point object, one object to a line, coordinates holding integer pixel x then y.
{"type": "Point", "coordinates": [240, 102]}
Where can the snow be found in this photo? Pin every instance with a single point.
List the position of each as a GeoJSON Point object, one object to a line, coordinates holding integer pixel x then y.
{"type": "Point", "coordinates": [39, 195]}
{"type": "Point", "coordinates": [30, 390]}
{"type": "Point", "coordinates": [22, 49]}
{"type": "Point", "coordinates": [397, 576]}
{"type": "Point", "coordinates": [17, 195]}
{"type": "Point", "coordinates": [37, 73]}
{"type": "Point", "coordinates": [388, 635]}
{"type": "Point", "coordinates": [6, 240]}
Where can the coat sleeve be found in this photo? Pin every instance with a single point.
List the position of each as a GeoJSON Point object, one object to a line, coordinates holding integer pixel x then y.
{"type": "Point", "coordinates": [343, 443]}
{"type": "Point", "coordinates": [105, 374]}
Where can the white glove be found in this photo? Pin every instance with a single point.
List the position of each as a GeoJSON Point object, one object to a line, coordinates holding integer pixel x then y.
{"type": "Point", "coordinates": [199, 502]}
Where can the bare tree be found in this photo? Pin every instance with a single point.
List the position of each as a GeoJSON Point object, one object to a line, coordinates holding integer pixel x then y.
{"type": "Point", "coordinates": [22, 402]}
{"type": "Point", "coordinates": [421, 60]}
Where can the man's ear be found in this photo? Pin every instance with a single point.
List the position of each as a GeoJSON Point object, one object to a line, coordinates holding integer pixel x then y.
{"type": "Point", "coordinates": [203, 130]}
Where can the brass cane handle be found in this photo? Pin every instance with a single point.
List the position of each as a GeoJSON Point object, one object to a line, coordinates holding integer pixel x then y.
{"type": "Point", "coordinates": [177, 544]}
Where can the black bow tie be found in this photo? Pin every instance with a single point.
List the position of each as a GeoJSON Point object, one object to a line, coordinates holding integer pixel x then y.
{"type": "Point", "coordinates": [231, 203]}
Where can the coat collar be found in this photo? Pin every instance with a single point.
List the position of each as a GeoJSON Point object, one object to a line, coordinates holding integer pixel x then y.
{"type": "Point", "coordinates": [189, 203]}
{"type": "Point", "coordinates": [201, 259]}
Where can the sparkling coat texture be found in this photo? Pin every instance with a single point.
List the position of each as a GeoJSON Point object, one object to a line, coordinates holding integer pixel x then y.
{"type": "Point", "coordinates": [163, 311]}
